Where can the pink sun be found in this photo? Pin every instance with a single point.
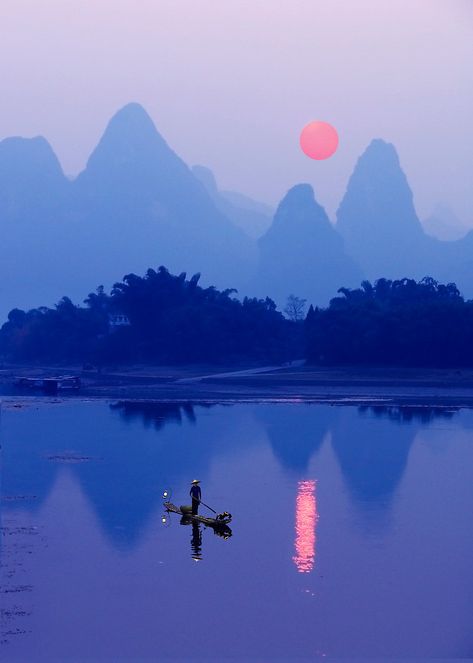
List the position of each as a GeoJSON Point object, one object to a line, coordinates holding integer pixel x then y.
{"type": "Point", "coordinates": [319, 140]}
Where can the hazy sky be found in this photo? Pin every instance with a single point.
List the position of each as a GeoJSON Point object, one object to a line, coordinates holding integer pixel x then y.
{"type": "Point", "coordinates": [230, 84]}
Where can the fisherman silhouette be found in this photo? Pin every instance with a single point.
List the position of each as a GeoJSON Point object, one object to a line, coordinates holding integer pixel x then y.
{"type": "Point", "coordinates": [196, 495]}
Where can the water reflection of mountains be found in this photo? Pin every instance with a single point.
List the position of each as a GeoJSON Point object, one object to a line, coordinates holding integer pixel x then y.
{"type": "Point", "coordinates": [372, 456]}
{"type": "Point", "coordinates": [295, 434]}
{"type": "Point", "coordinates": [124, 482]}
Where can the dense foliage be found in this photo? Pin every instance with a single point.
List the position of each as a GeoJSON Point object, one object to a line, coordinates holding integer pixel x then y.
{"type": "Point", "coordinates": [170, 319]}
{"type": "Point", "coordinates": [400, 322]}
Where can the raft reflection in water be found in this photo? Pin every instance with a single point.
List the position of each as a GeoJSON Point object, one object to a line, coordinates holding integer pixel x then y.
{"type": "Point", "coordinates": [306, 523]}
{"type": "Point", "coordinates": [196, 539]}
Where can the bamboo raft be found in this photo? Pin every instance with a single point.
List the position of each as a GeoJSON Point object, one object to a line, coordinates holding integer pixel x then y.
{"type": "Point", "coordinates": [220, 522]}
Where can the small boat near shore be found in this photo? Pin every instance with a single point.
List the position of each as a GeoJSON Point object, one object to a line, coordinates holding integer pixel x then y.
{"type": "Point", "coordinates": [50, 384]}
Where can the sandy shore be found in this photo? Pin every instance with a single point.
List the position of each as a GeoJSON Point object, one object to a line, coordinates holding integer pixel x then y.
{"type": "Point", "coordinates": [395, 386]}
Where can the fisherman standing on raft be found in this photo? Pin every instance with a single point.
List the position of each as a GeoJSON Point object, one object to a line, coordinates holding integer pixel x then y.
{"type": "Point", "coordinates": [196, 495]}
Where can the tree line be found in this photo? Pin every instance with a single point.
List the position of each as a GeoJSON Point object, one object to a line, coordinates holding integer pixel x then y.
{"type": "Point", "coordinates": [393, 322]}
{"type": "Point", "coordinates": [164, 318]}
{"type": "Point", "coordinates": [171, 319]}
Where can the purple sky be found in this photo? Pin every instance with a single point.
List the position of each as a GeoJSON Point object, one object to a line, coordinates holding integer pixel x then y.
{"type": "Point", "coordinates": [230, 83]}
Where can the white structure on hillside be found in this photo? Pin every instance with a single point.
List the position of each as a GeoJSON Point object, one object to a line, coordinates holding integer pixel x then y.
{"type": "Point", "coordinates": [118, 320]}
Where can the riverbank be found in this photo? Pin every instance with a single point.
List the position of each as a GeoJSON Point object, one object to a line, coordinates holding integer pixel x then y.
{"type": "Point", "coordinates": [367, 385]}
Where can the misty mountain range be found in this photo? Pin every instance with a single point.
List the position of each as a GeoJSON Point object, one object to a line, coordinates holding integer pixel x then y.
{"type": "Point", "coordinates": [137, 204]}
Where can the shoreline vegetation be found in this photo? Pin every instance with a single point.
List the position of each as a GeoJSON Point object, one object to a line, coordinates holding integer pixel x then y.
{"type": "Point", "coordinates": [387, 335]}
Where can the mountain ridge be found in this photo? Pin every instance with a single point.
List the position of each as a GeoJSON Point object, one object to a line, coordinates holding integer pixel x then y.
{"type": "Point", "coordinates": [302, 253]}
{"type": "Point", "coordinates": [137, 204]}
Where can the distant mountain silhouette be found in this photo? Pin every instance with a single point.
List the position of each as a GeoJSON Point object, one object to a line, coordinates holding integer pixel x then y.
{"type": "Point", "coordinates": [382, 231]}
{"type": "Point", "coordinates": [247, 203]}
{"type": "Point", "coordinates": [31, 178]}
{"type": "Point", "coordinates": [136, 190]}
{"type": "Point", "coordinates": [33, 194]}
{"type": "Point", "coordinates": [252, 217]}
{"type": "Point", "coordinates": [444, 224]}
{"type": "Point", "coordinates": [135, 205]}
{"type": "Point", "coordinates": [377, 218]}
{"type": "Point", "coordinates": [302, 253]}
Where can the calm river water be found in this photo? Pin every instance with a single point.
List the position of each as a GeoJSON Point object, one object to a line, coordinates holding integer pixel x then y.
{"type": "Point", "coordinates": [352, 533]}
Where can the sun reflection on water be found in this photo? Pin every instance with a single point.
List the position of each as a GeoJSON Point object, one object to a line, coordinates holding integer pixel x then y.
{"type": "Point", "coordinates": [306, 522]}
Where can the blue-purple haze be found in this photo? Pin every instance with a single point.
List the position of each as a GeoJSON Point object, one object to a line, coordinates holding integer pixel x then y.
{"type": "Point", "coordinates": [230, 85]}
